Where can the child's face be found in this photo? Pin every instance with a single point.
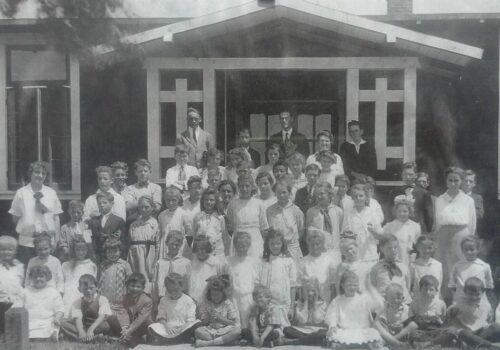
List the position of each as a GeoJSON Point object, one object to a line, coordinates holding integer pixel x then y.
{"type": "Point", "coordinates": [209, 202]}
{"type": "Point", "coordinates": [315, 245]}
{"type": "Point", "coordinates": [408, 176]}
{"type": "Point", "coordinates": [473, 296]}
{"type": "Point", "coordinates": [453, 182]}
{"type": "Point", "coordinates": [244, 138]}
{"type": "Point", "coordinates": [213, 180]}
{"type": "Point", "coordinates": [350, 286]}
{"type": "Point", "coordinates": [429, 292]}
{"type": "Point", "coordinates": [195, 191]}
{"type": "Point", "coordinates": [181, 158]}
{"type": "Point", "coordinates": [119, 177]}
{"type": "Point", "coordinates": [264, 185]}
{"type": "Point", "coordinates": [342, 188]}
{"type": "Point", "coordinates": [174, 290]}
{"type": "Point", "coordinates": [312, 177]}
{"type": "Point", "coordinates": [227, 193]}
{"type": "Point", "coordinates": [402, 213]}
{"type": "Point", "coordinates": [324, 143]}
{"type": "Point", "coordinates": [326, 163]}
{"type": "Point", "coordinates": [296, 168]}
{"type": "Point", "coordinates": [391, 250]}
{"type": "Point", "coordinates": [104, 205]}
{"type": "Point", "coordinates": [359, 198]}
{"type": "Point", "coordinates": [245, 189]}
{"type": "Point", "coordinates": [422, 182]}
{"type": "Point", "coordinates": [425, 249]}
{"type": "Point", "coordinates": [87, 289]}
{"type": "Point", "coordinates": [144, 208]}
{"type": "Point", "coordinates": [351, 252]}
{"type": "Point", "coordinates": [282, 194]}
{"type": "Point", "coordinates": [323, 197]}
{"type": "Point", "coordinates": [43, 249]}
{"type": "Point", "coordinates": [173, 246]}
{"type": "Point", "coordinates": [235, 160]}
{"type": "Point", "coordinates": [216, 295]}
{"type": "Point", "coordinates": [214, 161]}
{"type": "Point", "coordinates": [242, 246]}
{"type": "Point", "coordinates": [395, 298]}
{"type": "Point", "coordinates": [275, 246]}
{"type": "Point", "coordinates": [142, 173]}
{"type": "Point", "coordinates": [104, 181]}
{"type": "Point", "coordinates": [470, 251]}
{"type": "Point", "coordinates": [75, 213]}
{"type": "Point", "coordinates": [7, 253]}
{"type": "Point", "coordinates": [469, 183]}
{"type": "Point", "coordinates": [171, 202]}
{"type": "Point", "coordinates": [135, 288]}
{"type": "Point", "coordinates": [279, 171]}
{"type": "Point", "coordinates": [202, 253]}
{"type": "Point", "coordinates": [39, 281]}
{"type": "Point", "coordinates": [273, 155]}
{"type": "Point", "coordinates": [370, 191]}
{"type": "Point", "coordinates": [113, 254]}
{"type": "Point", "coordinates": [262, 301]}
{"type": "Point", "coordinates": [80, 251]}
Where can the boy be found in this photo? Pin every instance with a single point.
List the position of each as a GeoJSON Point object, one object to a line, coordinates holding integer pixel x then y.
{"type": "Point", "coordinates": [88, 314]}
{"type": "Point", "coordinates": [192, 203]}
{"type": "Point", "coordinates": [468, 186]}
{"type": "Point", "coordinates": [214, 177]}
{"type": "Point", "coordinates": [245, 136]}
{"type": "Point", "coordinates": [179, 174]}
{"type": "Point", "coordinates": [326, 159]}
{"type": "Point", "coordinates": [280, 169]}
{"type": "Point", "coordinates": [143, 187]}
{"type": "Point", "coordinates": [345, 201]}
{"type": "Point", "coordinates": [304, 197]}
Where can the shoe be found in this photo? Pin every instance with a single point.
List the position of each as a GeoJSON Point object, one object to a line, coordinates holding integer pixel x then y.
{"type": "Point", "coordinates": [244, 342]}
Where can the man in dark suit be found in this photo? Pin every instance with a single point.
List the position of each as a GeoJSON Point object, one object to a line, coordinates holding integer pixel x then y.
{"type": "Point", "coordinates": [290, 140]}
{"type": "Point", "coordinates": [195, 138]}
{"type": "Point", "coordinates": [423, 207]}
{"type": "Point", "coordinates": [358, 155]}
{"type": "Point", "coordinates": [245, 136]}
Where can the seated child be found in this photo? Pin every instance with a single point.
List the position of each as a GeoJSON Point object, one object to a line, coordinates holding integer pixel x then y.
{"type": "Point", "coordinates": [219, 318]}
{"type": "Point", "coordinates": [134, 312]}
{"type": "Point", "coordinates": [425, 264]}
{"type": "Point", "coordinates": [349, 316]}
{"type": "Point", "coordinates": [264, 327]}
{"type": "Point", "coordinates": [75, 227]}
{"type": "Point", "coordinates": [176, 317]}
{"type": "Point", "coordinates": [44, 304]}
{"type": "Point", "coordinates": [393, 322]}
{"type": "Point", "coordinates": [88, 315]}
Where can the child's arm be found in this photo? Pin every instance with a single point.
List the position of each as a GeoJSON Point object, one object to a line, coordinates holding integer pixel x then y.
{"type": "Point", "coordinates": [90, 332]}
{"type": "Point", "coordinates": [375, 230]}
{"type": "Point", "coordinates": [293, 294]}
{"type": "Point", "coordinates": [79, 327]}
{"type": "Point", "coordinates": [385, 334]}
{"type": "Point", "coordinates": [252, 323]}
{"type": "Point", "coordinates": [264, 335]}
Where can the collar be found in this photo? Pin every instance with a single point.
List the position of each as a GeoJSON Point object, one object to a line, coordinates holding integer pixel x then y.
{"type": "Point", "coordinates": [423, 263]}
{"type": "Point", "coordinates": [111, 190]}
{"type": "Point", "coordinates": [106, 215]}
{"type": "Point", "coordinates": [30, 188]}
{"type": "Point", "coordinates": [288, 205]}
{"type": "Point", "coordinates": [289, 132]}
{"type": "Point", "coordinates": [356, 144]}
{"type": "Point", "coordinates": [468, 193]}
{"type": "Point", "coordinates": [144, 185]}
{"type": "Point", "coordinates": [194, 129]}
{"type": "Point", "coordinates": [452, 199]}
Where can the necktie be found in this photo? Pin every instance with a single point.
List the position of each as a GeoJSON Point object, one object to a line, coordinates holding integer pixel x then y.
{"type": "Point", "coordinates": [393, 269]}
{"type": "Point", "coordinates": [194, 136]}
{"type": "Point", "coordinates": [182, 174]}
{"type": "Point", "coordinates": [287, 137]}
{"type": "Point", "coordinates": [327, 223]}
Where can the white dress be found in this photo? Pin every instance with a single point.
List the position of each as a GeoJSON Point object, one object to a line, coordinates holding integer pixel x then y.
{"type": "Point", "coordinates": [72, 275]}
{"type": "Point", "coordinates": [214, 227]}
{"type": "Point", "coordinates": [176, 220]}
{"type": "Point", "coordinates": [290, 221]}
{"type": "Point", "coordinates": [420, 268]}
{"type": "Point", "coordinates": [357, 222]}
{"type": "Point", "coordinates": [407, 234]}
{"type": "Point", "coordinates": [11, 282]}
{"type": "Point", "coordinates": [199, 271]}
{"type": "Point", "coordinates": [321, 269]}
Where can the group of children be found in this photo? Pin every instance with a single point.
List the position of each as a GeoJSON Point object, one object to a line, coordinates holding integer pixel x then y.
{"type": "Point", "coordinates": [282, 254]}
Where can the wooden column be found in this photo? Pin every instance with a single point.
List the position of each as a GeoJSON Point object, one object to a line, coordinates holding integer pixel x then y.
{"type": "Point", "coordinates": [410, 113]}
{"type": "Point", "coordinates": [154, 123]}
{"type": "Point", "coordinates": [75, 124]}
{"type": "Point", "coordinates": [209, 101]}
{"type": "Point", "coordinates": [3, 119]}
{"type": "Point", "coordinates": [352, 98]}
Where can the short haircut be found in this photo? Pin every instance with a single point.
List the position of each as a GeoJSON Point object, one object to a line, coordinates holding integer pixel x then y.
{"type": "Point", "coordinates": [280, 162]}
{"type": "Point", "coordinates": [298, 158]}
{"type": "Point", "coordinates": [394, 288]}
{"type": "Point", "coordinates": [346, 275]}
{"type": "Point", "coordinates": [8, 241]}
{"type": "Point", "coordinates": [342, 178]}
{"type": "Point", "coordinates": [470, 172]}
{"type": "Point", "coordinates": [202, 242]}
{"type": "Point", "coordinates": [208, 192]}
{"type": "Point", "coordinates": [214, 172]}
{"type": "Point", "coordinates": [454, 170]}
{"type": "Point", "coordinates": [38, 270]}
{"type": "Point", "coordinates": [119, 166]}
{"type": "Point", "coordinates": [225, 183]}
{"type": "Point", "coordinates": [473, 284]}
{"type": "Point", "coordinates": [266, 175]}
{"type": "Point", "coordinates": [142, 163]}
{"type": "Point", "coordinates": [325, 133]}
{"type": "Point", "coordinates": [409, 165]}
{"type": "Point", "coordinates": [174, 278]}
{"type": "Point", "coordinates": [104, 169]}
{"type": "Point", "coordinates": [173, 191]}
{"type": "Point", "coordinates": [423, 238]}
{"type": "Point", "coordinates": [192, 180]}
{"type": "Point", "coordinates": [240, 236]}
{"type": "Point", "coordinates": [136, 277]}
{"type": "Point", "coordinates": [313, 233]}
{"type": "Point", "coordinates": [261, 290]}
{"type": "Point", "coordinates": [428, 281]}
{"type": "Point", "coordinates": [181, 149]}
{"type": "Point", "coordinates": [193, 110]}
{"type": "Point", "coordinates": [324, 185]}
{"type": "Point", "coordinates": [353, 123]}
{"type": "Point", "coordinates": [148, 199]}
{"type": "Point", "coordinates": [277, 147]}
{"type": "Point", "coordinates": [423, 174]}
{"type": "Point", "coordinates": [240, 152]}
{"type": "Point", "coordinates": [283, 182]}
{"type": "Point", "coordinates": [111, 243]}
{"type": "Point", "coordinates": [174, 234]}
{"type": "Point", "coordinates": [44, 166]}
{"type": "Point", "coordinates": [246, 178]}
{"type": "Point", "coordinates": [105, 195]}
{"type": "Point", "coordinates": [469, 239]}
{"type": "Point", "coordinates": [76, 204]}
{"type": "Point", "coordinates": [327, 154]}
{"type": "Point", "coordinates": [40, 237]}
{"type": "Point", "coordinates": [213, 152]}
{"type": "Point", "coordinates": [245, 130]}
{"type": "Point", "coordinates": [387, 238]}
{"type": "Point", "coordinates": [370, 181]}
{"type": "Point", "coordinates": [87, 279]}
{"type": "Point", "coordinates": [313, 167]}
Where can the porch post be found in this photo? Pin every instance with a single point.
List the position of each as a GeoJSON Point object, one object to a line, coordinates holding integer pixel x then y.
{"type": "Point", "coordinates": [210, 120]}
{"type": "Point", "coordinates": [75, 124]}
{"type": "Point", "coordinates": [3, 119]}
{"type": "Point", "coordinates": [154, 126]}
{"type": "Point", "coordinates": [410, 115]}
{"type": "Point", "coordinates": [352, 98]}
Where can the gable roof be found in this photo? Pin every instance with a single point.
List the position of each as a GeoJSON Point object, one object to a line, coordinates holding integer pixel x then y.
{"type": "Point", "coordinates": [255, 12]}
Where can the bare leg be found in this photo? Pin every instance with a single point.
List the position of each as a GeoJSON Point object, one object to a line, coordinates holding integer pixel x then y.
{"type": "Point", "coordinates": [412, 326]}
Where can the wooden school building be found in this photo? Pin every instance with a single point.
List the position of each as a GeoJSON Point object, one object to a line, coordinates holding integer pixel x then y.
{"type": "Point", "coordinates": [423, 83]}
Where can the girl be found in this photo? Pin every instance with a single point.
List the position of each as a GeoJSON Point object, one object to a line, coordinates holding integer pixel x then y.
{"type": "Point", "coordinates": [297, 163]}
{"type": "Point", "coordinates": [351, 262]}
{"type": "Point", "coordinates": [425, 264]}
{"type": "Point", "coordinates": [407, 231]}
{"type": "Point", "coordinates": [342, 199]}
{"type": "Point", "coordinates": [327, 159]}
{"type": "Point", "coordinates": [248, 214]}
{"type": "Point", "coordinates": [274, 153]}
{"type": "Point", "coordinates": [78, 265]}
{"type": "Point", "coordinates": [192, 203]}
{"type": "Point", "coordinates": [364, 223]}
{"type": "Point", "coordinates": [219, 317]}
{"type": "Point", "coordinates": [74, 228]}
{"type": "Point", "coordinates": [349, 316]}
{"type": "Point", "coordinates": [208, 222]}
{"type": "Point", "coordinates": [455, 216]}
{"type": "Point", "coordinates": [227, 191]}
{"type": "Point", "coordinates": [43, 248]}
{"type": "Point", "coordinates": [286, 217]}
{"type": "Point", "coordinates": [236, 156]}
{"type": "Point", "coordinates": [243, 273]}
{"type": "Point", "coordinates": [44, 304]}
{"type": "Point", "coordinates": [173, 218]}
{"type": "Point", "coordinates": [203, 266]}
{"type": "Point", "coordinates": [12, 272]}
{"type": "Point", "coordinates": [265, 183]}
{"type": "Point", "coordinates": [370, 185]}
{"type": "Point", "coordinates": [120, 174]}
{"type": "Point", "coordinates": [279, 274]}
{"type": "Point", "coordinates": [144, 235]}
{"type": "Point", "coordinates": [211, 161]}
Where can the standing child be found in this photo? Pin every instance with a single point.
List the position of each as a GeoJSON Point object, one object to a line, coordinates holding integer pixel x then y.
{"type": "Point", "coordinates": [349, 317]}
{"type": "Point", "coordinates": [304, 197]}
{"type": "Point", "coordinates": [248, 214]}
{"type": "Point", "coordinates": [236, 156]}
{"type": "Point", "coordinates": [297, 163]}
{"type": "Point", "coordinates": [286, 217]}
{"type": "Point", "coordinates": [227, 191]}
{"type": "Point", "coordinates": [144, 235]}
{"type": "Point", "coordinates": [78, 265]}
{"type": "Point", "coordinates": [211, 163]}
{"type": "Point", "coordinates": [219, 317]}
{"type": "Point", "coordinates": [134, 312]}
{"type": "Point", "coordinates": [44, 304]}
{"type": "Point", "coordinates": [179, 174]}
{"type": "Point", "coordinates": [192, 203]}
{"type": "Point", "coordinates": [351, 262]}
{"type": "Point", "coordinates": [243, 273]}
{"type": "Point", "coordinates": [113, 273]}
{"type": "Point", "coordinates": [265, 183]}
{"type": "Point", "coordinates": [373, 203]}
{"type": "Point", "coordinates": [43, 249]}
{"type": "Point", "coordinates": [280, 169]}
{"type": "Point", "coordinates": [75, 227]}
{"type": "Point", "coordinates": [328, 173]}
{"type": "Point", "coordinates": [427, 310]}
{"type": "Point", "coordinates": [214, 177]}
{"type": "Point", "coordinates": [143, 187]}
{"type": "Point", "coordinates": [425, 264]}
{"type": "Point", "coordinates": [245, 136]}
{"type": "Point", "coordinates": [279, 274]}
{"type": "Point", "coordinates": [88, 314]}
{"type": "Point", "coordinates": [407, 231]}
{"type": "Point", "coordinates": [274, 153]}
{"type": "Point", "coordinates": [176, 317]}
{"type": "Point", "coordinates": [468, 187]}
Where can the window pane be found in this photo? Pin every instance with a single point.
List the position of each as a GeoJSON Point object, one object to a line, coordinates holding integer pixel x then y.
{"type": "Point", "coordinates": [28, 65]}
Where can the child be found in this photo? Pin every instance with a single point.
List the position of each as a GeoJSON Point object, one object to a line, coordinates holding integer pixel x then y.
{"type": "Point", "coordinates": [211, 163]}
{"type": "Point", "coordinates": [192, 203]}
{"type": "Point", "coordinates": [407, 231]}
{"type": "Point", "coordinates": [113, 273]}
{"type": "Point", "coordinates": [264, 327]}
{"type": "Point", "coordinates": [179, 174]}
{"type": "Point", "coordinates": [304, 197]}
{"type": "Point", "coordinates": [393, 322]}
{"type": "Point", "coordinates": [243, 273]}
{"type": "Point", "coordinates": [75, 227]}
{"type": "Point", "coordinates": [208, 222]}
{"type": "Point", "coordinates": [78, 265]}
{"type": "Point", "coordinates": [351, 262]}
{"type": "Point", "coordinates": [349, 316]}
{"type": "Point", "coordinates": [265, 183]}
{"type": "Point", "coordinates": [471, 266]}
{"type": "Point", "coordinates": [144, 235]}
{"type": "Point", "coordinates": [286, 217]}
{"type": "Point", "coordinates": [134, 312]}
{"type": "Point", "coordinates": [468, 186]}
{"type": "Point", "coordinates": [214, 177]}
{"type": "Point", "coordinates": [171, 261]}
{"type": "Point", "coordinates": [427, 310]}
{"type": "Point", "coordinates": [245, 136]}
{"type": "Point", "coordinates": [423, 180]}
{"type": "Point", "coordinates": [389, 269]}
{"type": "Point", "coordinates": [105, 180]}
{"type": "Point", "coordinates": [107, 224]}
{"type": "Point", "coordinates": [370, 185]}
{"type": "Point", "coordinates": [143, 187]}
{"type": "Point", "coordinates": [173, 218]}
{"type": "Point", "coordinates": [227, 191]}
{"type": "Point", "coordinates": [280, 169]}
{"type": "Point", "coordinates": [319, 265]}
{"type": "Point", "coordinates": [236, 156]}
{"type": "Point", "coordinates": [247, 213]}
{"type": "Point", "coordinates": [88, 314]}
{"type": "Point", "coordinates": [327, 159]}
{"type": "Point", "coordinates": [176, 317]}
{"type": "Point", "coordinates": [343, 200]}
{"type": "Point", "coordinates": [44, 304]}
{"type": "Point", "coordinates": [425, 264]}
{"type": "Point", "coordinates": [219, 317]}
{"type": "Point", "coordinates": [12, 272]}
{"type": "Point", "coordinates": [279, 274]}
{"type": "Point", "coordinates": [297, 163]}
{"type": "Point", "coordinates": [325, 216]}
{"type": "Point", "coordinates": [274, 153]}
{"type": "Point", "coordinates": [43, 248]}
{"type": "Point", "coordinates": [364, 223]}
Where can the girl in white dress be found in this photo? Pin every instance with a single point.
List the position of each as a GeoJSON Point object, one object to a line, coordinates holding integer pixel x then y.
{"type": "Point", "coordinates": [349, 317]}
{"type": "Point", "coordinates": [297, 164]}
{"type": "Point", "coordinates": [351, 262]}
{"type": "Point", "coordinates": [78, 265]}
{"type": "Point", "coordinates": [425, 264]}
{"type": "Point", "coordinates": [211, 162]}
{"type": "Point", "coordinates": [265, 184]}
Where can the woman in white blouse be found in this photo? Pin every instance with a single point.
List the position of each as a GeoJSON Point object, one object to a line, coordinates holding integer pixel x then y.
{"type": "Point", "coordinates": [324, 141]}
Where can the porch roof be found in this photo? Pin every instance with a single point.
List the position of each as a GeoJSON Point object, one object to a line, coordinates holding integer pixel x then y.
{"type": "Point", "coordinates": [257, 12]}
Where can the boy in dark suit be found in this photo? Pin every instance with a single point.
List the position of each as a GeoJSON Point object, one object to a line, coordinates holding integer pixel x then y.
{"type": "Point", "coordinates": [304, 197]}
{"type": "Point", "coordinates": [358, 155]}
{"type": "Point", "coordinates": [245, 136]}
